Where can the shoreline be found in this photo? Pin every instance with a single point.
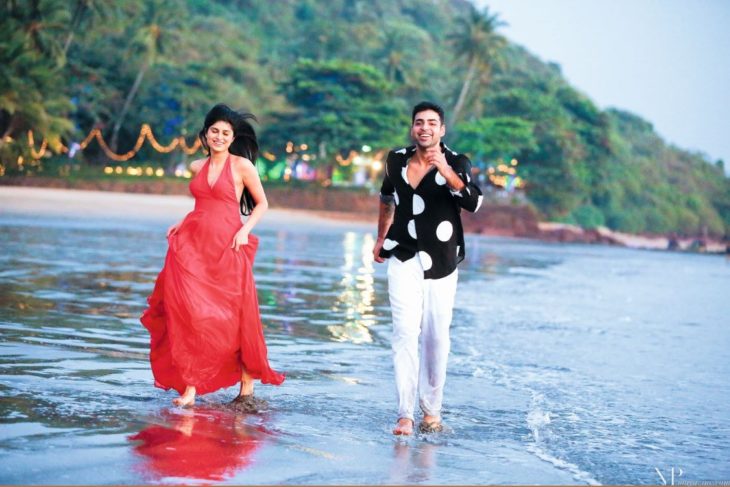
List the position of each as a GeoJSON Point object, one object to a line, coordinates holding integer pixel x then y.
{"type": "Point", "coordinates": [292, 207]}
{"type": "Point", "coordinates": [567, 233]}
{"type": "Point", "coordinates": [51, 202]}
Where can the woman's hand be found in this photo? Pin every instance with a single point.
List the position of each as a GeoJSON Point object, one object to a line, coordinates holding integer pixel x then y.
{"type": "Point", "coordinates": [241, 238]}
{"type": "Point", "coordinates": [173, 229]}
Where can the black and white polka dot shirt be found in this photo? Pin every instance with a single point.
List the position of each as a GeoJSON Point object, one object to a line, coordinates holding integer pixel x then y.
{"type": "Point", "coordinates": [426, 220]}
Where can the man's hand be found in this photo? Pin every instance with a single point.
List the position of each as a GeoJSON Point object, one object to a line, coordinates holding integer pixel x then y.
{"type": "Point", "coordinates": [376, 250]}
{"type": "Point", "coordinates": [435, 157]}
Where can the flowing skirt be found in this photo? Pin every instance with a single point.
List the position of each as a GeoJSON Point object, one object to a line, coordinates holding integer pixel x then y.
{"type": "Point", "coordinates": [203, 314]}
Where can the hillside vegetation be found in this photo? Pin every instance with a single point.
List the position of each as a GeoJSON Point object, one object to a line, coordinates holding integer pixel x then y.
{"type": "Point", "coordinates": [336, 75]}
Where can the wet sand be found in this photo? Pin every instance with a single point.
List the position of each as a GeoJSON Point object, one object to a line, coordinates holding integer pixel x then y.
{"type": "Point", "coordinates": [72, 203]}
{"type": "Point", "coordinates": [168, 209]}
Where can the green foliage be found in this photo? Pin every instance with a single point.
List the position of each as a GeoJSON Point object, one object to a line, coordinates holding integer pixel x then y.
{"type": "Point", "coordinates": [339, 106]}
{"type": "Point", "coordinates": [588, 216]}
{"type": "Point", "coordinates": [30, 62]}
{"type": "Point", "coordinates": [337, 75]}
{"type": "Point", "coordinates": [475, 40]}
{"type": "Point", "coordinates": [663, 189]}
{"type": "Point", "coordinates": [491, 138]}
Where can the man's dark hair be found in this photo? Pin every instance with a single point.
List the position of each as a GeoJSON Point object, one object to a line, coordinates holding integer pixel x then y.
{"type": "Point", "coordinates": [427, 105]}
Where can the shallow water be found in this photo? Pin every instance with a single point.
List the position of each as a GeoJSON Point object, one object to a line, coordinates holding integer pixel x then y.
{"type": "Point", "coordinates": [570, 364]}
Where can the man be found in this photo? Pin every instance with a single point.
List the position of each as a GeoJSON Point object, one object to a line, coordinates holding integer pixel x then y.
{"type": "Point", "coordinates": [420, 233]}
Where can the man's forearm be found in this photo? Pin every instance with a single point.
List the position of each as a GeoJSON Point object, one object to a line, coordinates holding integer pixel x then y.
{"type": "Point", "coordinates": [385, 218]}
{"type": "Point", "coordinates": [452, 179]}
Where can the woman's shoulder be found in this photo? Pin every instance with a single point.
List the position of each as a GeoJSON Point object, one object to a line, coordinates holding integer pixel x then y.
{"type": "Point", "coordinates": [197, 165]}
{"type": "Point", "coordinates": [241, 164]}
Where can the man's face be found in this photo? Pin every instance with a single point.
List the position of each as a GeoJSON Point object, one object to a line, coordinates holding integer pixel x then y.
{"type": "Point", "coordinates": [427, 129]}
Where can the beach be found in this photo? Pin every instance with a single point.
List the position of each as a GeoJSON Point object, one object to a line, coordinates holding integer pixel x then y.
{"type": "Point", "coordinates": [570, 364]}
{"type": "Point", "coordinates": [105, 205]}
{"type": "Point", "coordinates": [292, 207]}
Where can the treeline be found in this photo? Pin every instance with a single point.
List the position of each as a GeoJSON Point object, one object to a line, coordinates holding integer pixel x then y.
{"type": "Point", "coordinates": [336, 75]}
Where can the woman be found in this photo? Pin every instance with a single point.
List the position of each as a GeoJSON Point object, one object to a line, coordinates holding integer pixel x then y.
{"type": "Point", "coordinates": [203, 314]}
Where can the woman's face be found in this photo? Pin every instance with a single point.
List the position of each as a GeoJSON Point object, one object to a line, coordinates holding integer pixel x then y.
{"type": "Point", "coordinates": [219, 136]}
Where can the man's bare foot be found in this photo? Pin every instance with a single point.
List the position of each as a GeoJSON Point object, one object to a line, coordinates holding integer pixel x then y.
{"type": "Point", "coordinates": [404, 426]}
{"type": "Point", "coordinates": [430, 424]}
{"type": "Point", "coordinates": [187, 399]}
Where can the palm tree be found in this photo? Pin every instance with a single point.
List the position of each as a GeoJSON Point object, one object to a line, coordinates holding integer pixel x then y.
{"type": "Point", "coordinates": [40, 23]}
{"type": "Point", "coordinates": [84, 13]}
{"type": "Point", "coordinates": [150, 40]}
{"type": "Point", "coordinates": [478, 43]}
{"type": "Point", "coordinates": [30, 62]}
{"type": "Point", "coordinates": [393, 55]}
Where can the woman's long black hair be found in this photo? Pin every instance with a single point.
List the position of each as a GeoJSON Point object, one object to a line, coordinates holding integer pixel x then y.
{"type": "Point", "coordinates": [244, 143]}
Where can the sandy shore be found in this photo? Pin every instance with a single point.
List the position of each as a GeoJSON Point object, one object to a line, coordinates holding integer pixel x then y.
{"type": "Point", "coordinates": [167, 209]}
{"type": "Point", "coordinates": [549, 231]}
{"type": "Point", "coordinates": [29, 201]}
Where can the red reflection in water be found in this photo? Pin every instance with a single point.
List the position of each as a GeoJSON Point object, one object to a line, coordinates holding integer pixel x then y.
{"type": "Point", "coordinates": [203, 443]}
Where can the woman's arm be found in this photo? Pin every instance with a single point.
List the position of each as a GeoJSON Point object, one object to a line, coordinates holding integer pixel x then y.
{"type": "Point", "coordinates": [246, 172]}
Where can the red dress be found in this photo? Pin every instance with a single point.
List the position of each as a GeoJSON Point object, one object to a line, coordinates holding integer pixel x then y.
{"type": "Point", "coordinates": [203, 314]}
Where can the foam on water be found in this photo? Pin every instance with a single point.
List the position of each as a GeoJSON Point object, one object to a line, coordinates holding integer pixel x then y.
{"type": "Point", "coordinates": [619, 382]}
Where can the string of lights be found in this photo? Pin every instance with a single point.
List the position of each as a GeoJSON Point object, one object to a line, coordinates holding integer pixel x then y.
{"type": "Point", "coordinates": [36, 154]}
{"type": "Point", "coordinates": [503, 175]}
{"type": "Point", "coordinates": [145, 133]}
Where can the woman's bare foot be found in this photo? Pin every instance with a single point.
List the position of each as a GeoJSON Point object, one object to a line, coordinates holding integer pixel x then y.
{"type": "Point", "coordinates": [187, 399]}
{"type": "Point", "coordinates": [246, 384]}
{"type": "Point", "coordinates": [404, 426]}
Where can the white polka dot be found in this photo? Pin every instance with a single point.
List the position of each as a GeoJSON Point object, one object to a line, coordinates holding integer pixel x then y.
{"type": "Point", "coordinates": [458, 247]}
{"type": "Point", "coordinates": [389, 244]}
{"type": "Point", "coordinates": [468, 178]}
{"type": "Point", "coordinates": [444, 231]}
{"type": "Point", "coordinates": [404, 173]}
{"type": "Point", "coordinates": [395, 195]}
{"type": "Point", "coordinates": [479, 202]}
{"type": "Point", "coordinates": [426, 262]}
{"type": "Point", "coordinates": [440, 180]}
{"type": "Point", "coordinates": [412, 228]}
{"type": "Point", "coordinates": [418, 205]}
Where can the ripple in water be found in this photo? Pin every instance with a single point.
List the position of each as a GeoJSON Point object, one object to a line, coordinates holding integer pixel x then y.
{"type": "Point", "coordinates": [570, 364]}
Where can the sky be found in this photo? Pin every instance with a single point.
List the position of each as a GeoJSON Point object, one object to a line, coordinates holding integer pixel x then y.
{"type": "Point", "coordinates": [667, 61]}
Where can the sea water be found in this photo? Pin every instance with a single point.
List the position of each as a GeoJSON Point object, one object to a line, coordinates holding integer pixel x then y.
{"type": "Point", "coordinates": [570, 364]}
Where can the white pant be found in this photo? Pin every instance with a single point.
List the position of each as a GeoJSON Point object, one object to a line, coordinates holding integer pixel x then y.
{"type": "Point", "coordinates": [420, 307]}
